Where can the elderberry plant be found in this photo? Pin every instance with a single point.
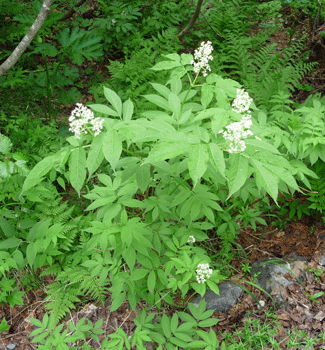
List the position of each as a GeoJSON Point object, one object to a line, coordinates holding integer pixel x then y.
{"type": "Point", "coordinates": [156, 184]}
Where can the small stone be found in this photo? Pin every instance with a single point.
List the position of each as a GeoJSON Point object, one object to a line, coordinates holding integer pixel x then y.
{"type": "Point", "coordinates": [261, 304]}
{"type": "Point", "coordinates": [11, 346]}
{"type": "Point", "coordinates": [320, 316]}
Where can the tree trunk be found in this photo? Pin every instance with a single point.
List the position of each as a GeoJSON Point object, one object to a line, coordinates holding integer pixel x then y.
{"type": "Point", "coordinates": [28, 38]}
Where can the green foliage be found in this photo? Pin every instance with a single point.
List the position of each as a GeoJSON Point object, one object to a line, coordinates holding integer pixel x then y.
{"type": "Point", "coordinates": [317, 196]}
{"type": "Point", "coordinates": [265, 72]}
{"type": "Point", "coordinates": [131, 78]}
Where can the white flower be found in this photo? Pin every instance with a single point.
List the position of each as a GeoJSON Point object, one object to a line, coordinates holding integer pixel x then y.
{"type": "Point", "coordinates": [203, 272]}
{"type": "Point", "coordinates": [82, 119]}
{"type": "Point", "coordinates": [191, 239]}
{"type": "Point", "coordinates": [242, 101]}
{"type": "Point", "coordinates": [201, 58]}
{"type": "Point", "coordinates": [113, 21]}
{"type": "Point", "coordinates": [237, 132]}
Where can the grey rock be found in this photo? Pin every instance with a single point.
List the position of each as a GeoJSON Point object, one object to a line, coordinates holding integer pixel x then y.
{"type": "Point", "coordinates": [322, 261]}
{"type": "Point", "coordinates": [270, 276]}
{"type": "Point", "coordinates": [228, 295]}
{"type": "Point", "coordinates": [11, 346]}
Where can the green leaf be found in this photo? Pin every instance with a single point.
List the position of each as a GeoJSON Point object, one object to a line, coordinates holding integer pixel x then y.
{"type": "Point", "coordinates": [260, 145]}
{"type": "Point", "coordinates": [267, 180]}
{"type": "Point", "coordinates": [165, 323]}
{"type": "Point", "coordinates": [167, 150]}
{"type": "Point", "coordinates": [117, 301]}
{"type": "Point", "coordinates": [151, 281]}
{"type": "Point", "coordinates": [128, 108]}
{"type": "Point", "coordinates": [138, 274]}
{"type": "Point", "coordinates": [217, 158]}
{"type": "Point", "coordinates": [143, 177]}
{"type": "Point", "coordinates": [238, 173]}
{"type": "Point", "coordinates": [166, 65]}
{"type": "Point", "coordinates": [197, 163]}
{"type": "Point", "coordinates": [77, 168]}
{"type": "Point", "coordinates": [114, 100]}
{"type": "Point", "coordinates": [30, 254]}
{"type": "Point", "coordinates": [162, 89]}
{"type": "Point", "coordinates": [95, 155]}
{"type": "Point", "coordinates": [15, 298]}
{"type": "Point", "coordinates": [9, 243]}
{"type": "Point", "coordinates": [112, 147]}
{"type": "Point", "coordinates": [36, 174]}
{"type": "Point", "coordinates": [208, 323]}
{"type": "Point", "coordinates": [159, 101]}
{"type": "Point", "coordinates": [4, 325]}
{"type": "Point", "coordinates": [174, 104]}
{"type": "Point", "coordinates": [5, 144]}
{"type": "Point", "coordinates": [104, 110]}
{"type": "Point", "coordinates": [207, 94]}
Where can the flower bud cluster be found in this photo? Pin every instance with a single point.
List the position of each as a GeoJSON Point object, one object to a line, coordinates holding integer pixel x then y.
{"type": "Point", "coordinates": [191, 239]}
{"type": "Point", "coordinates": [82, 119]}
{"type": "Point", "coordinates": [201, 58]}
{"type": "Point", "coordinates": [203, 272]}
{"type": "Point", "coordinates": [237, 132]}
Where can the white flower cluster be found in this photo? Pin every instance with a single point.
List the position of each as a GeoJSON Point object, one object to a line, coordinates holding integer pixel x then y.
{"type": "Point", "coordinates": [191, 239]}
{"type": "Point", "coordinates": [203, 272]}
{"type": "Point", "coordinates": [237, 132]}
{"type": "Point", "coordinates": [82, 119]}
{"type": "Point", "coordinates": [201, 58]}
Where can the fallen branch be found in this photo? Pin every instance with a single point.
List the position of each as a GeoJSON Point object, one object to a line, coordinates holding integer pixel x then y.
{"type": "Point", "coordinates": [71, 11]}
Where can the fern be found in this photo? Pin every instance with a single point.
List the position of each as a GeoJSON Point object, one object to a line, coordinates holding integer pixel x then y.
{"type": "Point", "coordinates": [71, 283]}
{"type": "Point", "coordinates": [317, 198]}
{"type": "Point", "coordinates": [130, 79]}
{"type": "Point", "coordinates": [265, 72]}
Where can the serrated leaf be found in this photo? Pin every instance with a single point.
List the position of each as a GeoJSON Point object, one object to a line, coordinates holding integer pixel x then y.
{"type": "Point", "coordinates": [36, 174]}
{"type": "Point", "coordinates": [95, 155]}
{"type": "Point", "coordinates": [162, 89]}
{"type": "Point", "coordinates": [166, 65]}
{"type": "Point", "coordinates": [143, 176]}
{"type": "Point", "coordinates": [104, 110]}
{"type": "Point", "coordinates": [4, 325]}
{"type": "Point", "coordinates": [77, 168]}
{"type": "Point", "coordinates": [197, 162]}
{"type": "Point", "coordinates": [114, 100]}
{"type": "Point", "coordinates": [112, 147]}
{"type": "Point", "coordinates": [165, 323]}
{"type": "Point", "coordinates": [9, 243]}
{"type": "Point", "coordinates": [159, 101]}
{"type": "Point", "coordinates": [151, 281]}
{"type": "Point", "coordinates": [238, 173]}
{"type": "Point", "coordinates": [217, 158]}
{"type": "Point", "coordinates": [167, 150]}
{"type": "Point", "coordinates": [267, 179]}
{"type": "Point", "coordinates": [174, 104]}
{"type": "Point", "coordinates": [206, 94]}
{"type": "Point", "coordinates": [128, 108]}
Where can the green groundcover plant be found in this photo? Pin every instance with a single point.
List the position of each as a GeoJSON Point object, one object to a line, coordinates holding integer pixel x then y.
{"type": "Point", "coordinates": [155, 184]}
